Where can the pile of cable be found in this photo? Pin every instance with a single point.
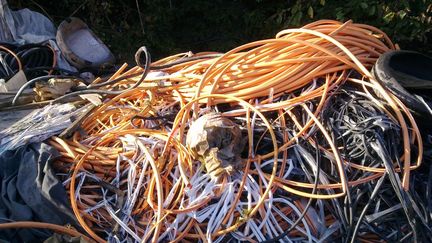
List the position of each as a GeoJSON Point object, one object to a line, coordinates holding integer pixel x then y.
{"type": "Point", "coordinates": [33, 59]}
{"type": "Point", "coordinates": [285, 139]}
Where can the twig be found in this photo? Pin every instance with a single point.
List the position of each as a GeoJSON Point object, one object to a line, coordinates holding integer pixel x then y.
{"type": "Point", "coordinates": [140, 17]}
{"type": "Point", "coordinates": [79, 7]}
{"type": "Point", "coordinates": [43, 10]}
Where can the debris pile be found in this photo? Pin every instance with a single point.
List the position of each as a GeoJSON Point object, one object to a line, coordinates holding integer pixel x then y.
{"type": "Point", "coordinates": [284, 139]}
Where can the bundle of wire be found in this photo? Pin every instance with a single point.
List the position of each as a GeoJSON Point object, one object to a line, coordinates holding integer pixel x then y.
{"type": "Point", "coordinates": [321, 135]}
{"type": "Point", "coordinates": [33, 59]}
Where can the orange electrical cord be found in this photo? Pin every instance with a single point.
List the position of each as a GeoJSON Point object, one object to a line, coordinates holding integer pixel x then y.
{"type": "Point", "coordinates": [20, 67]}
{"type": "Point", "coordinates": [40, 225]}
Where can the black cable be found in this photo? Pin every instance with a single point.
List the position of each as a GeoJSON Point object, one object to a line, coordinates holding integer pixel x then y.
{"type": "Point", "coordinates": [30, 56]}
{"type": "Point", "coordinates": [395, 182]}
{"type": "Point", "coordinates": [183, 60]}
{"type": "Point", "coordinates": [365, 208]}
{"type": "Point", "coordinates": [151, 118]}
{"type": "Point", "coordinates": [91, 89]}
{"type": "Point", "coordinates": [348, 209]}
{"type": "Point", "coordinates": [34, 81]}
{"type": "Point", "coordinates": [429, 192]}
{"type": "Point", "coordinates": [98, 85]}
{"type": "Point", "coordinates": [47, 69]}
{"type": "Point", "coordinates": [146, 67]}
{"type": "Point", "coordinates": [369, 138]}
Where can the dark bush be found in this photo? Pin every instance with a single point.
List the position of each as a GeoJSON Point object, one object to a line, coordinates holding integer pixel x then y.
{"type": "Point", "coordinates": [172, 26]}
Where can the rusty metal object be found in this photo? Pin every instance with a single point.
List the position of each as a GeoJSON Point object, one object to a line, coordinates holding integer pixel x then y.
{"type": "Point", "coordinates": [217, 142]}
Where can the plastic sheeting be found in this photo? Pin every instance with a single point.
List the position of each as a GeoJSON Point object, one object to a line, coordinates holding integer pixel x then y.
{"type": "Point", "coordinates": [26, 26]}
{"type": "Point", "coordinates": [39, 125]}
{"type": "Point", "coordinates": [30, 191]}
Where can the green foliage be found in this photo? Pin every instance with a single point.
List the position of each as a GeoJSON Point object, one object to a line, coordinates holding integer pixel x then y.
{"type": "Point", "coordinates": [407, 22]}
{"type": "Point", "coordinates": [172, 26]}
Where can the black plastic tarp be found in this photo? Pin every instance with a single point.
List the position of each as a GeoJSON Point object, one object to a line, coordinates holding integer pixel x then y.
{"type": "Point", "coordinates": [30, 191]}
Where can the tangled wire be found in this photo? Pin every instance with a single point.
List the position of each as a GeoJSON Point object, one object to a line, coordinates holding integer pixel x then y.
{"type": "Point", "coordinates": [328, 151]}
{"type": "Point", "coordinates": [33, 59]}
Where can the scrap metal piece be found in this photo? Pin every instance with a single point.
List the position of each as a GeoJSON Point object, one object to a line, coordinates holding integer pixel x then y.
{"type": "Point", "coordinates": [81, 47]}
{"type": "Point", "coordinates": [54, 88]}
{"type": "Point", "coordinates": [217, 142]}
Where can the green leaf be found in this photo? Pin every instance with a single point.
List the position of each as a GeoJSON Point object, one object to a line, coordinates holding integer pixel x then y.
{"type": "Point", "coordinates": [363, 5]}
{"type": "Point", "coordinates": [311, 12]}
{"type": "Point", "coordinates": [322, 2]}
{"type": "Point", "coordinates": [340, 14]}
{"type": "Point", "coordinates": [389, 17]}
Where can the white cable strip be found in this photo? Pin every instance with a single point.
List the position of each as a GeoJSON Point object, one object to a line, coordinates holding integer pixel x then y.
{"type": "Point", "coordinates": [96, 206]}
{"type": "Point", "coordinates": [424, 103]}
{"type": "Point", "coordinates": [256, 232]}
{"type": "Point", "coordinates": [135, 193]}
{"type": "Point", "coordinates": [78, 188]}
{"type": "Point", "coordinates": [214, 213]}
{"type": "Point", "coordinates": [204, 213]}
{"type": "Point", "coordinates": [203, 181]}
{"type": "Point", "coordinates": [252, 188]}
{"type": "Point", "coordinates": [122, 225]}
{"type": "Point", "coordinates": [218, 215]}
{"type": "Point", "coordinates": [131, 220]}
{"type": "Point", "coordinates": [269, 202]}
{"type": "Point", "coordinates": [176, 178]}
{"type": "Point", "coordinates": [67, 181]}
{"type": "Point", "coordinates": [174, 227]}
{"type": "Point", "coordinates": [116, 180]}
